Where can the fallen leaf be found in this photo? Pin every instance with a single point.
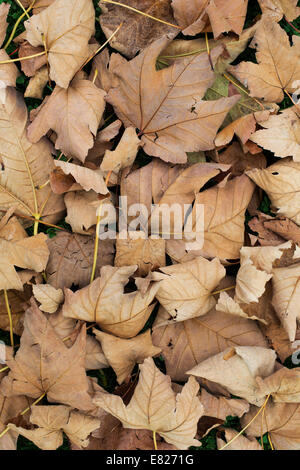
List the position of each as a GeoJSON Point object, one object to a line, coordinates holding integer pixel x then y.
{"type": "Point", "coordinates": [74, 114]}
{"type": "Point", "coordinates": [49, 297]}
{"type": "Point", "coordinates": [26, 166]}
{"type": "Point", "coordinates": [155, 406]}
{"type": "Point", "coordinates": [226, 17]}
{"type": "Point", "coordinates": [148, 254]}
{"type": "Point", "coordinates": [281, 135]}
{"type": "Point", "coordinates": [134, 351]}
{"type": "Point", "coordinates": [240, 443]}
{"type": "Point", "coordinates": [191, 17]}
{"type": "Point", "coordinates": [43, 364]}
{"type": "Point", "coordinates": [187, 343]}
{"type": "Point", "coordinates": [281, 182]}
{"type": "Point", "coordinates": [104, 302]}
{"type": "Point", "coordinates": [281, 422]}
{"type": "Point", "coordinates": [166, 105]}
{"type": "Point", "coordinates": [237, 372]}
{"type": "Point", "coordinates": [88, 179]}
{"type": "Point", "coordinates": [71, 250]}
{"type": "Point", "coordinates": [185, 289]}
{"type": "Point", "coordinates": [279, 8]}
{"type": "Point", "coordinates": [52, 421]}
{"type": "Point", "coordinates": [37, 84]}
{"type": "Point", "coordinates": [286, 285]}
{"type": "Point", "coordinates": [137, 31]}
{"type": "Point", "coordinates": [278, 64]}
{"type": "Point", "coordinates": [125, 153]}
{"type": "Point", "coordinates": [66, 36]}
{"type": "Point", "coordinates": [221, 407]}
{"type": "Point", "coordinates": [4, 9]}
{"type": "Point", "coordinates": [224, 212]}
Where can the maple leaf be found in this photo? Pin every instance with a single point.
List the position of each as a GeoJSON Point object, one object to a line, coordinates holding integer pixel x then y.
{"type": "Point", "coordinates": [104, 302]}
{"type": "Point", "coordinates": [87, 179]}
{"type": "Point", "coordinates": [65, 36]}
{"type": "Point", "coordinates": [52, 421]}
{"type": "Point", "coordinates": [281, 134]}
{"type": "Point", "coordinates": [236, 370]}
{"type": "Point", "coordinates": [134, 351]}
{"type": "Point", "coordinates": [36, 85]}
{"type": "Point", "coordinates": [43, 364]}
{"type": "Point", "coordinates": [137, 31]}
{"type": "Point", "coordinates": [281, 181]}
{"type": "Point", "coordinates": [26, 166]}
{"type": "Point", "coordinates": [221, 407]}
{"type": "Point", "coordinates": [125, 153]}
{"type": "Point", "coordinates": [4, 9]}
{"type": "Point", "coordinates": [74, 114]}
{"type": "Point", "coordinates": [240, 442]}
{"type": "Point", "coordinates": [278, 64]}
{"type": "Point", "coordinates": [49, 297]}
{"type": "Point", "coordinates": [148, 254]}
{"type": "Point", "coordinates": [67, 250]}
{"type": "Point", "coordinates": [166, 105]}
{"type": "Point", "coordinates": [279, 8]}
{"type": "Point", "coordinates": [223, 17]}
{"type": "Point", "coordinates": [185, 344]}
{"type": "Point", "coordinates": [155, 406]}
{"type": "Point", "coordinates": [281, 422]}
{"type": "Point", "coordinates": [224, 213]}
{"type": "Point", "coordinates": [185, 289]}
{"type": "Point", "coordinates": [10, 409]}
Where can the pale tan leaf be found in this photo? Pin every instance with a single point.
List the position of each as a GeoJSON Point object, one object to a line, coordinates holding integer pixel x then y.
{"type": "Point", "coordinates": [155, 406]}
{"type": "Point", "coordinates": [4, 9]}
{"type": "Point", "coordinates": [278, 64]}
{"type": "Point", "coordinates": [281, 134]}
{"type": "Point", "coordinates": [166, 105]}
{"type": "Point", "coordinates": [29, 253]}
{"type": "Point", "coordinates": [225, 17]}
{"type": "Point", "coordinates": [283, 385]}
{"type": "Point", "coordinates": [240, 443]}
{"type": "Point", "coordinates": [286, 297]}
{"type": "Point", "coordinates": [133, 351]}
{"type": "Point", "coordinates": [279, 8]}
{"type": "Point", "coordinates": [94, 357]}
{"type": "Point", "coordinates": [148, 254]}
{"type": "Point", "coordinates": [236, 370]}
{"type": "Point", "coordinates": [52, 421]}
{"type": "Point", "coordinates": [43, 364]}
{"type": "Point", "coordinates": [224, 216]}
{"type": "Point", "coordinates": [221, 407]}
{"type": "Point", "coordinates": [88, 179]}
{"type": "Point", "coordinates": [125, 153]}
{"type": "Point", "coordinates": [37, 84]}
{"type": "Point", "coordinates": [187, 343]}
{"type": "Point", "coordinates": [190, 16]}
{"type": "Point", "coordinates": [8, 72]}
{"type": "Point", "coordinates": [282, 422]}
{"type": "Point", "coordinates": [104, 302]}
{"type": "Point", "coordinates": [30, 66]}
{"type": "Point", "coordinates": [26, 166]}
{"type": "Point", "coordinates": [49, 297]}
{"type": "Point", "coordinates": [66, 36]}
{"type": "Point", "coordinates": [282, 183]}
{"type": "Point", "coordinates": [185, 289]}
{"type": "Point", "coordinates": [74, 114]}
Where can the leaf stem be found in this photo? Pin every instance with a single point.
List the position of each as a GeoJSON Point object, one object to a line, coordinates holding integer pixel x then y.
{"type": "Point", "coordinates": [21, 6]}
{"type": "Point", "coordinates": [11, 331]}
{"type": "Point", "coordinates": [19, 59]}
{"type": "Point", "coordinates": [208, 51]}
{"type": "Point", "coordinates": [141, 13]}
{"type": "Point", "coordinates": [36, 224]}
{"type": "Point", "coordinates": [102, 47]}
{"type": "Point", "coordinates": [17, 24]}
{"type": "Point", "coordinates": [243, 90]}
{"type": "Point", "coordinates": [222, 290]}
{"type": "Point", "coordinates": [4, 369]}
{"type": "Point", "coordinates": [154, 440]}
{"type": "Point", "coordinates": [99, 216]}
{"type": "Point", "coordinates": [250, 422]}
